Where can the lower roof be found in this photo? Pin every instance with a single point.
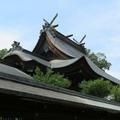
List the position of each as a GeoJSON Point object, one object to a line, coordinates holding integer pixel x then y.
{"type": "Point", "coordinates": [15, 84]}
{"type": "Point", "coordinates": [7, 71]}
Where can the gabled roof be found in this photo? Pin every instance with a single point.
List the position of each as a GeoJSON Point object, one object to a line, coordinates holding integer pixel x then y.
{"type": "Point", "coordinates": [83, 63]}
{"type": "Point", "coordinates": [58, 44]}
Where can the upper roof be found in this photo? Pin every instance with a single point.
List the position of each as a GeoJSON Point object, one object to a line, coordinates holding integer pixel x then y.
{"type": "Point", "coordinates": [58, 44]}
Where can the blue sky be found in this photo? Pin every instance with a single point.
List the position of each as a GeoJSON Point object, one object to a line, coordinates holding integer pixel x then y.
{"type": "Point", "coordinates": [21, 20]}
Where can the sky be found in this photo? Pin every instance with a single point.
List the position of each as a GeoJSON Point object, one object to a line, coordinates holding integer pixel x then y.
{"type": "Point", "coordinates": [22, 20]}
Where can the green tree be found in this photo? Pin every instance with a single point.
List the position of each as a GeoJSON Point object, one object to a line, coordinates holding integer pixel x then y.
{"type": "Point", "coordinates": [116, 93]}
{"type": "Point", "coordinates": [99, 88]}
{"type": "Point", "coordinates": [3, 52]}
{"type": "Point", "coordinates": [99, 59]}
{"type": "Point", "coordinates": [51, 78]}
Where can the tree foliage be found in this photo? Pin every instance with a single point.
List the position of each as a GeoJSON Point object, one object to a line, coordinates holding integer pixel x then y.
{"type": "Point", "coordinates": [99, 59]}
{"type": "Point", "coordinates": [51, 78]}
{"type": "Point", "coordinates": [3, 52]}
{"type": "Point", "coordinates": [116, 93]}
{"type": "Point", "coordinates": [99, 88]}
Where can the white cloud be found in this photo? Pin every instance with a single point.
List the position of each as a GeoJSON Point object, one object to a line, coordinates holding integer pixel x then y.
{"type": "Point", "coordinates": [112, 47]}
{"type": "Point", "coordinates": [114, 73]}
{"type": "Point", "coordinates": [7, 37]}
